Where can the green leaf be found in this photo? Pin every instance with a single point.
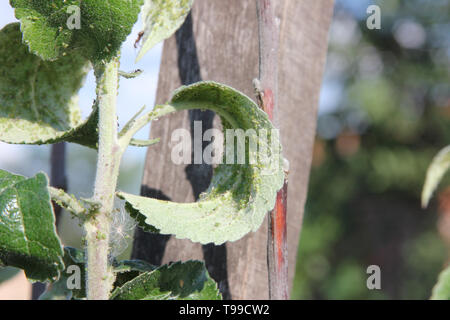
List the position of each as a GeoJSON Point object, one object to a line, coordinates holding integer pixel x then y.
{"type": "Point", "coordinates": [38, 99]}
{"type": "Point", "coordinates": [435, 172]}
{"type": "Point", "coordinates": [239, 195]}
{"type": "Point", "coordinates": [140, 219]}
{"type": "Point", "coordinates": [127, 270]}
{"type": "Point", "coordinates": [59, 290]}
{"type": "Point", "coordinates": [179, 281]}
{"type": "Point", "coordinates": [441, 290]}
{"type": "Point", "coordinates": [104, 25]}
{"type": "Point", "coordinates": [28, 237]}
{"type": "Point", "coordinates": [161, 18]}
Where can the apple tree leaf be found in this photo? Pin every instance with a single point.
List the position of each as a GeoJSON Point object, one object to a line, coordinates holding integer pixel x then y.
{"type": "Point", "coordinates": [39, 99]}
{"type": "Point", "coordinates": [241, 192]}
{"type": "Point", "coordinates": [161, 18]}
{"type": "Point", "coordinates": [28, 238]}
{"type": "Point", "coordinates": [53, 29]}
{"type": "Point", "coordinates": [178, 281]}
{"type": "Point", "coordinates": [127, 270]}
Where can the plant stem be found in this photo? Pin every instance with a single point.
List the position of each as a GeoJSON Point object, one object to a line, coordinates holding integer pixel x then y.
{"type": "Point", "coordinates": [267, 90]}
{"type": "Point", "coordinates": [99, 274]}
{"type": "Point", "coordinates": [67, 201]}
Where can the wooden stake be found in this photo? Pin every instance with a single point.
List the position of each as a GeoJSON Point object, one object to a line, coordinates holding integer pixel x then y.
{"type": "Point", "coordinates": [267, 93]}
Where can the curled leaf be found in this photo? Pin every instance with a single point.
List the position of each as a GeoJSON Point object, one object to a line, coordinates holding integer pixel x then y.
{"type": "Point", "coordinates": [161, 19]}
{"type": "Point", "coordinates": [39, 99]}
{"type": "Point", "coordinates": [438, 167]}
{"type": "Point", "coordinates": [240, 193]}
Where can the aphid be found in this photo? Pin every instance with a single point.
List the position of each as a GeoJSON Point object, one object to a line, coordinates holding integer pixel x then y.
{"type": "Point", "coordinates": [140, 35]}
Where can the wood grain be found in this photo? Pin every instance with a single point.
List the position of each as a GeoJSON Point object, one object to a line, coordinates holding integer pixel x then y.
{"type": "Point", "coordinates": [219, 42]}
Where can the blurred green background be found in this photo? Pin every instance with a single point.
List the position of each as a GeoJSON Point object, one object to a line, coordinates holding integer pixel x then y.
{"type": "Point", "coordinates": [385, 112]}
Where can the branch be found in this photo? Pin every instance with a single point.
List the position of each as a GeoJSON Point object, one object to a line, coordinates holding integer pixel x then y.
{"type": "Point", "coordinates": [267, 95]}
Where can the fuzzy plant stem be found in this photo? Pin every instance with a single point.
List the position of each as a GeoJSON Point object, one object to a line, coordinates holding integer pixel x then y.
{"type": "Point", "coordinates": [100, 277]}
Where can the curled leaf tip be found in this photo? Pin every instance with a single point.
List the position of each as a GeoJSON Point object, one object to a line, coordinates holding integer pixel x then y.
{"type": "Point", "coordinates": [161, 18]}
{"type": "Point", "coordinates": [438, 167]}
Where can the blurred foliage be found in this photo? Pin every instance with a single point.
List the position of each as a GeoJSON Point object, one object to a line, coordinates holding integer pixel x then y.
{"type": "Point", "coordinates": [388, 116]}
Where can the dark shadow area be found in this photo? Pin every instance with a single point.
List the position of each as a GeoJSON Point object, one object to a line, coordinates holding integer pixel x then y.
{"type": "Point", "coordinates": [150, 246]}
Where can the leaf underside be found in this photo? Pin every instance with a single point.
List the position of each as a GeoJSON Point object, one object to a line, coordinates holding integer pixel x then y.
{"type": "Point", "coordinates": [39, 99]}
{"type": "Point", "coordinates": [28, 238]}
{"type": "Point", "coordinates": [140, 219]}
{"type": "Point", "coordinates": [438, 167]}
{"type": "Point", "coordinates": [239, 195]}
{"type": "Point", "coordinates": [104, 25]}
{"type": "Point", "coordinates": [178, 281]}
{"type": "Point", "coordinates": [161, 18]}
